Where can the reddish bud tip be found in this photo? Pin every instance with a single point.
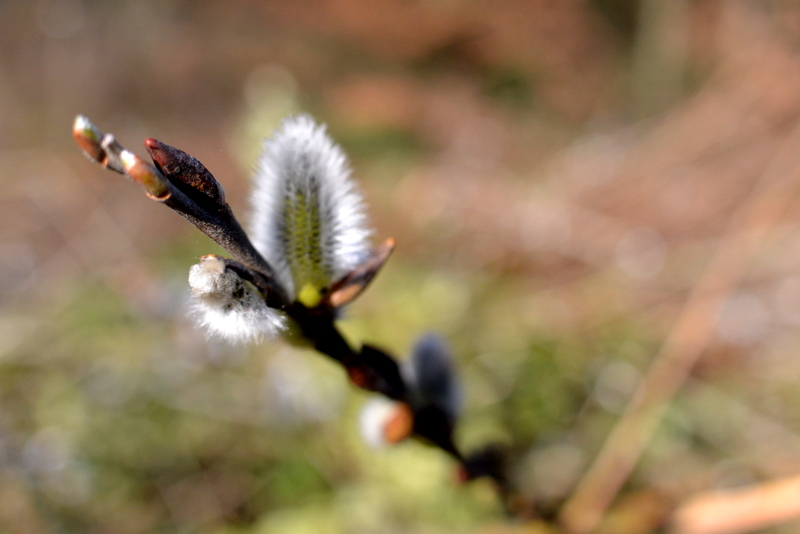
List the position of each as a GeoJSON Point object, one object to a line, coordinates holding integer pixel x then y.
{"type": "Point", "coordinates": [400, 424]}
{"type": "Point", "coordinates": [353, 283]}
{"type": "Point", "coordinates": [358, 377]}
{"type": "Point", "coordinates": [462, 475]}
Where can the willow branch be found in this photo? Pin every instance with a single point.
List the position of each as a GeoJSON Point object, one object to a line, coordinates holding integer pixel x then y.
{"type": "Point", "coordinates": [185, 186]}
{"type": "Point", "coordinates": [182, 183]}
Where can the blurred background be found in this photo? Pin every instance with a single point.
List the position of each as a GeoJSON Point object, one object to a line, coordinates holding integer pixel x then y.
{"type": "Point", "coordinates": [566, 182]}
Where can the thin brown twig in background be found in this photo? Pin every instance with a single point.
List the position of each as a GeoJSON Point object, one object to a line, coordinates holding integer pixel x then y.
{"type": "Point", "coordinates": [741, 510]}
{"type": "Point", "coordinates": [688, 339]}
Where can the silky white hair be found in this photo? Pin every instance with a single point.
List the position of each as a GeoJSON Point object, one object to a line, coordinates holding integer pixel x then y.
{"type": "Point", "coordinates": [226, 307]}
{"type": "Point", "coordinates": [308, 219]}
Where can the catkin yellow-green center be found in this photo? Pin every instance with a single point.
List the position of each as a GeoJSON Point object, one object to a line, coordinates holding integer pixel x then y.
{"type": "Point", "coordinates": [303, 243]}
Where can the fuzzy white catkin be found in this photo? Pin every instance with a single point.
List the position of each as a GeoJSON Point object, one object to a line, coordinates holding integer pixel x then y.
{"type": "Point", "coordinates": [228, 308]}
{"type": "Point", "coordinates": [375, 415]}
{"type": "Point", "coordinates": [303, 181]}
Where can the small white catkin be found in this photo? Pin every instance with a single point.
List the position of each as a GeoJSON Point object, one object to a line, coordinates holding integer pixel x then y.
{"type": "Point", "coordinates": [228, 308]}
{"type": "Point", "coordinates": [375, 415]}
{"type": "Point", "coordinates": [303, 181]}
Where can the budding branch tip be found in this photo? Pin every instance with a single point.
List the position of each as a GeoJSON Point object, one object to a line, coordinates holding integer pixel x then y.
{"type": "Point", "coordinates": [155, 184]}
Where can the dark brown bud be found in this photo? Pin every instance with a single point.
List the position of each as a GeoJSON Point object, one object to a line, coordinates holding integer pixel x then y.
{"type": "Point", "coordinates": [181, 168]}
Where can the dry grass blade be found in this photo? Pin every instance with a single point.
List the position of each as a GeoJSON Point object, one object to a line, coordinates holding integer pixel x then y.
{"type": "Point", "coordinates": [742, 510]}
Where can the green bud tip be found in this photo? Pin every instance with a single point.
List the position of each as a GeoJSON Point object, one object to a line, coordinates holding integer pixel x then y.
{"type": "Point", "coordinates": [155, 185]}
{"type": "Point", "coordinates": [88, 138]}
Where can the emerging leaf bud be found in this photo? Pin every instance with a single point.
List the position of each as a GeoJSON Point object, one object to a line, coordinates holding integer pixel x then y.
{"type": "Point", "coordinates": [100, 148]}
{"type": "Point", "coordinates": [227, 307]}
{"type": "Point", "coordinates": [155, 184]}
{"type": "Point", "coordinates": [88, 137]}
{"type": "Point", "coordinates": [308, 219]}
